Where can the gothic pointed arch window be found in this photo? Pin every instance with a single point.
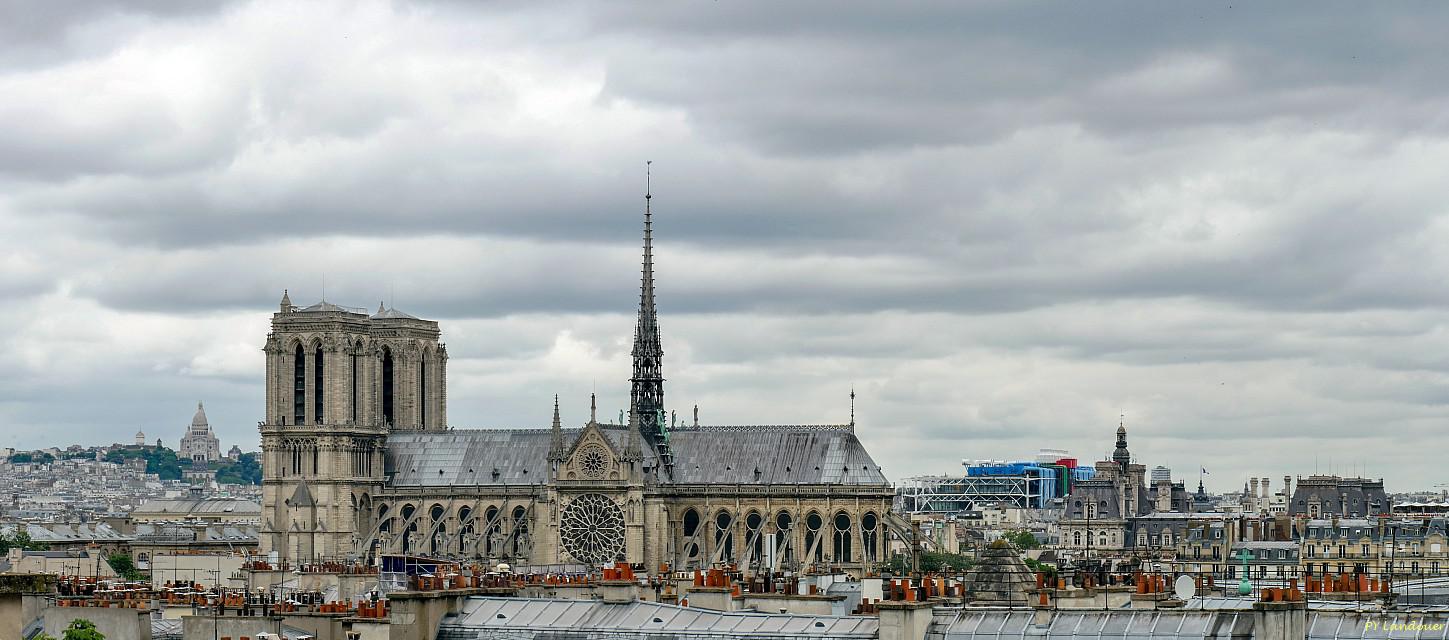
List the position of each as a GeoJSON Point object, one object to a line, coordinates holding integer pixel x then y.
{"type": "Point", "coordinates": [439, 528]}
{"type": "Point", "coordinates": [465, 524]}
{"type": "Point", "coordinates": [383, 519]}
{"type": "Point", "coordinates": [870, 536]}
{"type": "Point", "coordinates": [362, 510]}
{"type": "Point", "coordinates": [318, 385]}
{"type": "Point", "coordinates": [412, 527]}
{"type": "Point", "coordinates": [423, 390]}
{"type": "Point", "coordinates": [299, 386]}
{"type": "Point", "coordinates": [842, 540]}
{"type": "Point", "coordinates": [387, 395]}
{"type": "Point", "coordinates": [492, 532]}
{"type": "Point", "coordinates": [521, 542]}
{"type": "Point", "coordinates": [689, 527]}
{"type": "Point", "coordinates": [813, 549]}
{"type": "Point", "coordinates": [352, 356]}
{"type": "Point", "coordinates": [784, 528]}
{"type": "Point", "coordinates": [724, 539]}
{"type": "Point", "coordinates": [755, 537]}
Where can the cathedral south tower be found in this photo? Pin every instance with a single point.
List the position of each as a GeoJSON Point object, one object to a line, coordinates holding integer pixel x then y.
{"type": "Point", "coordinates": [338, 380]}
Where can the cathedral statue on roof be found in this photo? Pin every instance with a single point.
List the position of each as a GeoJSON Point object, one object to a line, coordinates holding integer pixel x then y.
{"type": "Point", "coordinates": [359, 460]}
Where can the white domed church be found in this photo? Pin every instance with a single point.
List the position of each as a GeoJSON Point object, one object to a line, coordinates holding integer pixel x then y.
{"type": "Point", "coordinates": [199, 445]}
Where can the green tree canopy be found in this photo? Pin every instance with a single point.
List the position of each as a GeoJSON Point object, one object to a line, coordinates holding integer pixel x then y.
{"type": "Point", "coordinates": [125, 567]}
{"type": "Point", "coordinates": [82, 629]}
{"type": "Point", "coordinates": [28, 457]}
{"type": "Point", "coordinates": [159, 460]}
{"type": "Point", "coordinates": [1022, 539]}
{"type": "Point", "coordinates": [1041, 567]}
{"type": "Point", "coordinates": [20, 540]}
{"type": "Point", "coordinates": [245, 470]}
{"type": "Point", "coordinates": [931, 561]}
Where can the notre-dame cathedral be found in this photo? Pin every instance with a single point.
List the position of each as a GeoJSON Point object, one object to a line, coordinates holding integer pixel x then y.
{"type": "Point", "coordinates": [359, 461]}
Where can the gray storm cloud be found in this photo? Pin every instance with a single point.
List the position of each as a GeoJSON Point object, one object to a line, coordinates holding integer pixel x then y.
{"type": "Point", "coordinates": [1005, 225]}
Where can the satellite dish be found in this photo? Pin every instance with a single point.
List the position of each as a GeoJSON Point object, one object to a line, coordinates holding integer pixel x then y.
{"type": "Point", "coordinates": [1185, 587]}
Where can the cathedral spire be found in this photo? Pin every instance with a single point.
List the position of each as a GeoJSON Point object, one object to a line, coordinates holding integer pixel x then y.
{"type": "Point", "coordinates": [646, 396]}
{"type": "Point", "coordinates": [555, 449]}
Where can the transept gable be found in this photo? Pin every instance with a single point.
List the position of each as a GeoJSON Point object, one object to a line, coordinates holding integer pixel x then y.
{"type": "Point", "coordinates": [591, 457]}
{"type": "Point", "coordinates": [591, 434]}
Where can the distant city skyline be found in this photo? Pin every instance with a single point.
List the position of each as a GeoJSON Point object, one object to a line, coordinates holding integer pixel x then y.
{"type": "Point", "coordinates": [1004, 226]}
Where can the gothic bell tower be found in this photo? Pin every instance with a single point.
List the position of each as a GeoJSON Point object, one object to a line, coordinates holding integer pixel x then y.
{"type": "Point", "coordinates": [338, 381]}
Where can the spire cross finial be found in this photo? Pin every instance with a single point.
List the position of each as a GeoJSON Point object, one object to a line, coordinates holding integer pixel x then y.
{"type": "Point", "coordinates": [852, 405]}
{"type": "Point", "coordinates": [648, 184]}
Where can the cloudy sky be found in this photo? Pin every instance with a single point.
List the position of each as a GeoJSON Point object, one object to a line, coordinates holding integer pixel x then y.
{"type": "Point", "coordinates": [1005, 224]}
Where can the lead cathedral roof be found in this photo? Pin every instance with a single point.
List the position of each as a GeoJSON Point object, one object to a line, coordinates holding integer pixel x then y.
{"type": "Point", "coordinates": [775, 454]}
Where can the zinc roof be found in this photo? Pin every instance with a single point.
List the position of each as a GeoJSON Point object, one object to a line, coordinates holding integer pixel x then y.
{"type": "Point", "coordinates": [483, 617]}
{"type": "Point", "coordinates": [961, 624]}
{"type": "Point", "coordinates": [198, 506]}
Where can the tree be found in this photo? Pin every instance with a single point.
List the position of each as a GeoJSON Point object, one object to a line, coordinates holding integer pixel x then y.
{"type": "Point", "coordinates": [32, 456]}
{"type": "Point", "coordinates": [1022, 539]}
{"type": "Point", "coordinates": [20, 540]}
{"type": "Point", "coordinates": [245, 470]}
{"type": "Point", "coordinates": [1038, 566]}
{"type": "Point", "coordinates": [125, 567]}
{"type": "Point", "coordinates": [931, 562]}
{"type": "Point", "coordinates": [159, 460]}
{"type": "Point", "coordinates": [82, 629]}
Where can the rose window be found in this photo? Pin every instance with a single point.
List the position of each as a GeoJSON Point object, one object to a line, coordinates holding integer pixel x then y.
{"type": "Point", "coordinates": [592, 529]}
{"type": "Point", "coordinates": [593, 460]}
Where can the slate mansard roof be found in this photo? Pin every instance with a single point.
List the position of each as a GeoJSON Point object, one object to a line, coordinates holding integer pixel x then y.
{"type": "Point", "coordinates": [702, 455]}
